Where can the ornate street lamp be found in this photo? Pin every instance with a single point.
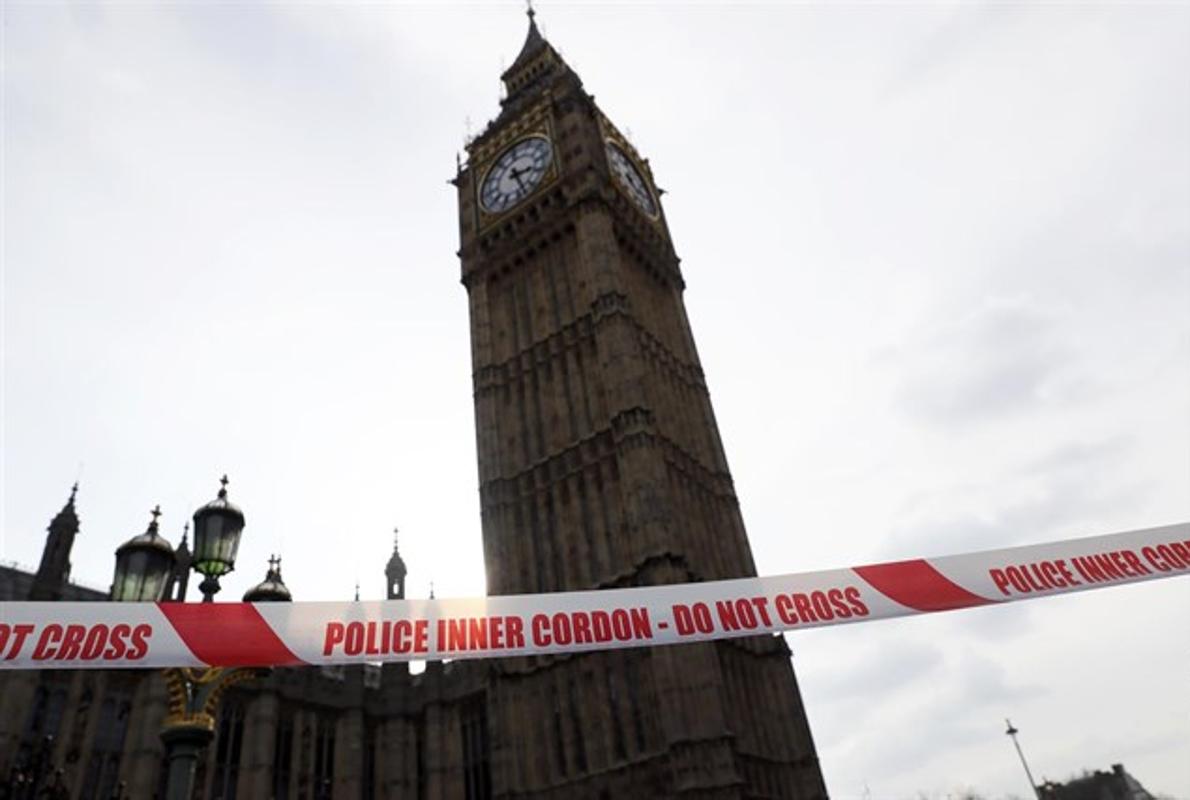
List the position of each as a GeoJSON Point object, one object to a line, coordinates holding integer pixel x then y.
{"type": "Point", "coordinates": [217, 529]}
{"type": "Point", "coordinates": [194, 696]}
{"type": "Point", "coordinates": [143, 566]}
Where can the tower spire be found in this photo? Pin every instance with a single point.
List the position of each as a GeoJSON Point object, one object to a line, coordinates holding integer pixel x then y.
{"type": "Point", "coordinates": [395, 572]}
{"type": "Point", "coordinates": [54, 570]}
{"type": "Point", "coordinates": [534, 42]}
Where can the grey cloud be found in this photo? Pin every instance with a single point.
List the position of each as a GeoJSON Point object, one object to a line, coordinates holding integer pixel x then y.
{"type": "Point", "coordinates": [951, 712]}
{"type": "Point", "coordinates": [998, 360]}
{"type": "Point", "coordinates": [882, 669]}
{"type": "Point", "coordinates": [1079, 456]}
{"type": "Point", "coordinates": [999, 624]}
{"type": "Point", "coordinates": [1074, 482]}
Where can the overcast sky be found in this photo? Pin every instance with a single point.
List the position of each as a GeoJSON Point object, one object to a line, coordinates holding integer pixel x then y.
{"type": "Point", "coordinates": [938, 261]}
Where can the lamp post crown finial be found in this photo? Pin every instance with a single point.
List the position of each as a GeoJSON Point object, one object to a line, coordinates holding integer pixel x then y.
{"type": "Point", "coordinates": [223, 485]}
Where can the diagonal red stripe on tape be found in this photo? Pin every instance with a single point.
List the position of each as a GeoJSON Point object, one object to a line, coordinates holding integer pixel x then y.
{"type": "Point", "coordinates": [228, 635]}
{"type": "Point", "coordinates": [919, 586]}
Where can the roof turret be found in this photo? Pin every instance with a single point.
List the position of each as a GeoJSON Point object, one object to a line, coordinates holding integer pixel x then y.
{"type": "Point", "coordinates": [272, 589]}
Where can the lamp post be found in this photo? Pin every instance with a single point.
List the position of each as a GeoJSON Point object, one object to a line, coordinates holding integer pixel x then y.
{"type": "Point", "coordinates": [1012, 732]}
{"type": "Point", "coordinates": [143, 566]}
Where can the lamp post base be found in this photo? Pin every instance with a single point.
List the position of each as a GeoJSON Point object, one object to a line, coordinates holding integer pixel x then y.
{"type": "Point", "coordinates": [183, 743]}
{"type": "Point", "coordinates": [194, 695]}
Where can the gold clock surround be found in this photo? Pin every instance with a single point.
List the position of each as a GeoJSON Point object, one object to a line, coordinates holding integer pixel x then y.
{"type": "Point", "coordinates": [551, 172]}
{"type": "Point", "coordinates": [484, 154]}
{"type": "Point", "coordinates": [613, 136]}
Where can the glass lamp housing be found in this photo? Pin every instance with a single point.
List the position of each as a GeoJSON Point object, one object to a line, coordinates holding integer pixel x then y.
{"type": "Point", "coordinates": [217, 529]}
{"type": "Point", "coordinates": [143, 567]}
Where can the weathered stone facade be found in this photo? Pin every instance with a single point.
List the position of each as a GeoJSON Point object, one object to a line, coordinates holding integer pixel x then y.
{"type": "Point", "coordinates": [600, 465]}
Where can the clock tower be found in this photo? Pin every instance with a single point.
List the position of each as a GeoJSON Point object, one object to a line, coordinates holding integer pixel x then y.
{"type": "Point", "coordinates": [601, 465]}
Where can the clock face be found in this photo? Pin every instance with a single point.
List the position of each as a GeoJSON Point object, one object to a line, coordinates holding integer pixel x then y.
{"type": "Point", "coordinates": [630, 178]}
{"type": "Point", "coordinates": [516, 173]}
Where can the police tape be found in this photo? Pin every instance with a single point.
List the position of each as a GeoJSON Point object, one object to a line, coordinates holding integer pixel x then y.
{"type": "Point", "coordinates": [73, 635]}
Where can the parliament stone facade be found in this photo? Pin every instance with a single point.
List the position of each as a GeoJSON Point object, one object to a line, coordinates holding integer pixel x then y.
{"type": "Point", "coordinates": [600, 465]}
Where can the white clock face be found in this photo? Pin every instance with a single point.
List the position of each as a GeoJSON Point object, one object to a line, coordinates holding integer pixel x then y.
{"type": "Point", "coordinates": [516, 173]}
{"type": "Point", "coordinates": [630, 178]}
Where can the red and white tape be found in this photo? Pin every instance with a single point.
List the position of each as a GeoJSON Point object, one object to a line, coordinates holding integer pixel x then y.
{"type": "Point", "coordinates": [73, 635]}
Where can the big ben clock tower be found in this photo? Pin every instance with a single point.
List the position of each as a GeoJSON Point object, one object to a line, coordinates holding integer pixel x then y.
{"type": "Point", "coordinates": [600, 465]}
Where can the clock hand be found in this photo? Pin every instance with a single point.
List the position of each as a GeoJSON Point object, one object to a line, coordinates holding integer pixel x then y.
{"type": "Point", "coordinates": [516, 176]}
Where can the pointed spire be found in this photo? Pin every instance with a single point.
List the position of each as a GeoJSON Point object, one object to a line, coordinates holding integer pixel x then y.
{"type": "Point", "coordinates": [534, 41]}
{"type": "Point", "coordinates": [431, 590]}
{"type": "Point", "coordinates": [396, 564]}
{"type": "Point", "coordinates": [537, 67]}
{"type": "Point", "coordinates": [67, 517]}
{"type": "Point", "coordinates": [184, 545]}
{"type": "Point", "coordinates": [395, 571]}
{"type": "Point", "coordinates": [357, 591]}
{"type": "Point", "coordinates": [54, 569]}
